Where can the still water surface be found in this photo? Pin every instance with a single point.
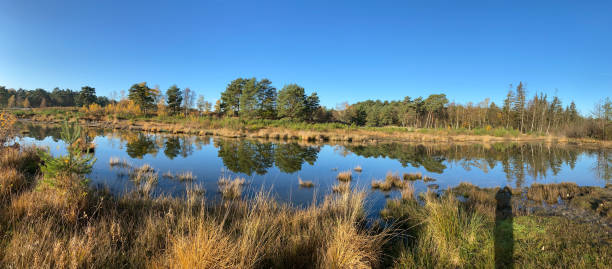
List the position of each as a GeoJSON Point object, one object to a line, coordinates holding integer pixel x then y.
{"type": "Point", "coordinates": [275, 165]}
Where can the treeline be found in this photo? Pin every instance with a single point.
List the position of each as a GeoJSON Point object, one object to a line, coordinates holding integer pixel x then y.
{"type": "Point", "coordinates": [251, 98]}
{"type": "Point", "coordinates": [22, 98]}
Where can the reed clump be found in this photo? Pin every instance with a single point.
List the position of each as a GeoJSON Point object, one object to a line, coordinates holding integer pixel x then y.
{"type": "Point", "coordinates": [305, 183]}
{"type": "Point", "coordinates": [231, 188]}
{"type": "Point", "coordinates": [117, 162]}
{"type": "Point", "coordinates": [341, 187]}
{"type": "Point", "coordinates": [412, 176]}
{"type": "Point", "coordinates": [358, 169]}
{"type": "Point", "coordinates": [345, 176]}
{"type": "Point", "coordinates": [392, 180]}
{"type": "Point", "coordinates": [428, 179]}
{"type": "Point", "coordinates": [185, 176]}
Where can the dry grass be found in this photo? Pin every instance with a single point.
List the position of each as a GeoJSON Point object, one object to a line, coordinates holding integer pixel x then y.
{"type": "Point", "coordinates": [407, 191]}
{"type": "Point", "coordinates": [168, 175]}
{"type": "Point", "coordinates": [72, 226]}
{"type": "Point", "coordinates": [428, 179]}
{"type": "Point", "coordinates": [345, 176]}
{"type": "Point", "coordinates": [145, 178]}
{"type": "Point", "coordinates": [116, 162]}
{"type": "Point", "coordinates": [412, 176]}
{"type": "Point", "coordinates": [478, 199]}
{"type": "Point", "coordinates": [382, 185]}
{"type": "Point", "coordinates": [305, 184]}
{"type": "Point", "coordinates": [185, 176]}
{"type": "Point", "coordinates": [392, 180]}
{"type": "Point", "coordinates": [231, 188]}
{"type": "Point", "coordinates": [550, 193]}
{"type": "Point", "coordinates": [342, 187]}
{"type": "Point", "coordinates": [358, 169]}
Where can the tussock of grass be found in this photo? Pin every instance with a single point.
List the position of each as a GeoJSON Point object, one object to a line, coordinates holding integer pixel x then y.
{"type": "Point", "coordinates": [341, 187]}
{"type": "Point", "coordinates": [168, 175]}
{"type": "Point", "coordinates": [412, 176]}
{"type": "Point", "coordinates": [231, 188]}
{"type": "Point", "coordinates": [448, 236]}
{"type": "Point", "coordinates": [145, 178]}
{"type": "Point", "coordinates": [345, 175]}
{"type": "Point", "coordinates": [185, 176]}
{"type": "Point", "coordinates": [116, 162]}
{"type": "Point", "coordinates": [391, 181]}
{"type": "Point", "coordinates": [428, 179]}
{"type": "Point", "coordinates": [305, 184]}
{"type": "Point", "coordinates": [358, 169]}
{"type": "Point", "coordinates": [550, 193]}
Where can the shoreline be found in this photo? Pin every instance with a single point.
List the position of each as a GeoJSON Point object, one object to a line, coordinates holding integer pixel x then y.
{"type": "Point", "coordinates": [357, 135]}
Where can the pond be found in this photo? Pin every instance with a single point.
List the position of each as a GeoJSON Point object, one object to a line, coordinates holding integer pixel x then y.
{"type": "Point", "coordinates": [275, 166]}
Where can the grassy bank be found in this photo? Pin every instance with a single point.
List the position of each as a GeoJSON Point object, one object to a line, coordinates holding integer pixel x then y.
{"type": "Point", "coordinates": [284, 129]}
{"type": "Point", "coordinates": [67, 224]}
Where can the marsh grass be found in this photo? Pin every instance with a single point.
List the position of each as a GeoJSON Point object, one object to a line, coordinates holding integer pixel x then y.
{"type": "Point", "coordinates": [412, 176]}
{"type": "Point", "coordinates": [428, 179]}
{"type": "Point", "coordinates": [392, 180]}
{"type": "Point", "coordinates": [550, 193]}
{"type": "Point", "coordinates": [345, 176]}
{"type": "Point", "coordinates": [117, 162]}
{"type": "Point", "coordinates": [231, 188]}
{"type": "Point", "coordinates": [75, 226]}
{"type": "Point", "coordinates": [358, 169]}
{"type": "Point", "coordinates": [341, 187]}
{"type": "Point", "coordinates": [305, 183]}
{"type": "Point", "coordinates": [185, 176]}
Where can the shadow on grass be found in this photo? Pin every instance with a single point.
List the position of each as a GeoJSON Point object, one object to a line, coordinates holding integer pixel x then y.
{"type": "Point", "coordinates": [504, 237]}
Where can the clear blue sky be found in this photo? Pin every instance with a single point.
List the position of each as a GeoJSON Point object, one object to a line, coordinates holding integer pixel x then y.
{"type": "Point", "coordinates": [345, 50]}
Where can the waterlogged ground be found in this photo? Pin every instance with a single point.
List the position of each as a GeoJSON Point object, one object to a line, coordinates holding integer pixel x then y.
{"type": "Point", "coordinates": [276, 165]}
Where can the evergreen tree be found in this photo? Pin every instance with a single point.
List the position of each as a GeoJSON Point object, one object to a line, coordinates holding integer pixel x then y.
{"type": "Point", "coordinates": [248, 98]}
{"type": "Point", "coordinates": [312, 106]}
{"type": "Point", "coordinates": [266, 98]}
{"type": "Point", "coordinates": [174, 98]}
{"type": "Point", "coordinates": [87, 96]}
{"type": "Point", "coordinates": [230, 98]}
{"type": "Point", "coordinates": [519, 105]}
{"type": "Point", "coordinates": [292, 102]}
{"type": "Point", "coordinates": [143, 96]}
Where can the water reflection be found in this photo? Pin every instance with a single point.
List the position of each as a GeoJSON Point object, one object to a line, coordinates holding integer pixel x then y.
{"type": "Point", "coordinates": [517, 161]}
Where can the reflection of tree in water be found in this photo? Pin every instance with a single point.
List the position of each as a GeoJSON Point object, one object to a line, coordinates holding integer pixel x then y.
{"type": "Point", "coordinates": [290, 157]}
{"type": "Point", "coordinates": [517, 160]}
{"type": "Point", "coordinates": [140, 145]}
{"type": "Point", "coordinates": [245, 156]}
{"type": "Point", "coordinates": [172, 147]}
{"type": "Point", "coordinates": [603, 166]}
{"type": "Point", "coordinates": [416, 155]}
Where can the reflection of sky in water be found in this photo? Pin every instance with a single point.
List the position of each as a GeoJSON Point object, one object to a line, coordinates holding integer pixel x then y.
{"type": "Point", "coordinates": [203, 159]}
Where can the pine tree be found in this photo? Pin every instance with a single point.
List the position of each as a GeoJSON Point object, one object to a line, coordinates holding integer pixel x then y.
{"type": "Point", "coordinates": [143, 96]}
{"type": "Point", "coordinates": [87, 96]}
{"type": "Point", "coordinates": [248, 101]}
{"type": "Point", "coordinates": [519, 104]}
{"type": "Point", "coordinates": [266, 98]}
{"type": "Point", "coordinates": [292, 102]}
{"type": "Point", "coordinates": [230, 98]}
{"type": "Point", "coordinates": [174, 98]}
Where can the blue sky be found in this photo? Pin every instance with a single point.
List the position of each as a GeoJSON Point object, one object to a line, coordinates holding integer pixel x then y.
{"type": "Point", "coordinates": [344, 50]}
